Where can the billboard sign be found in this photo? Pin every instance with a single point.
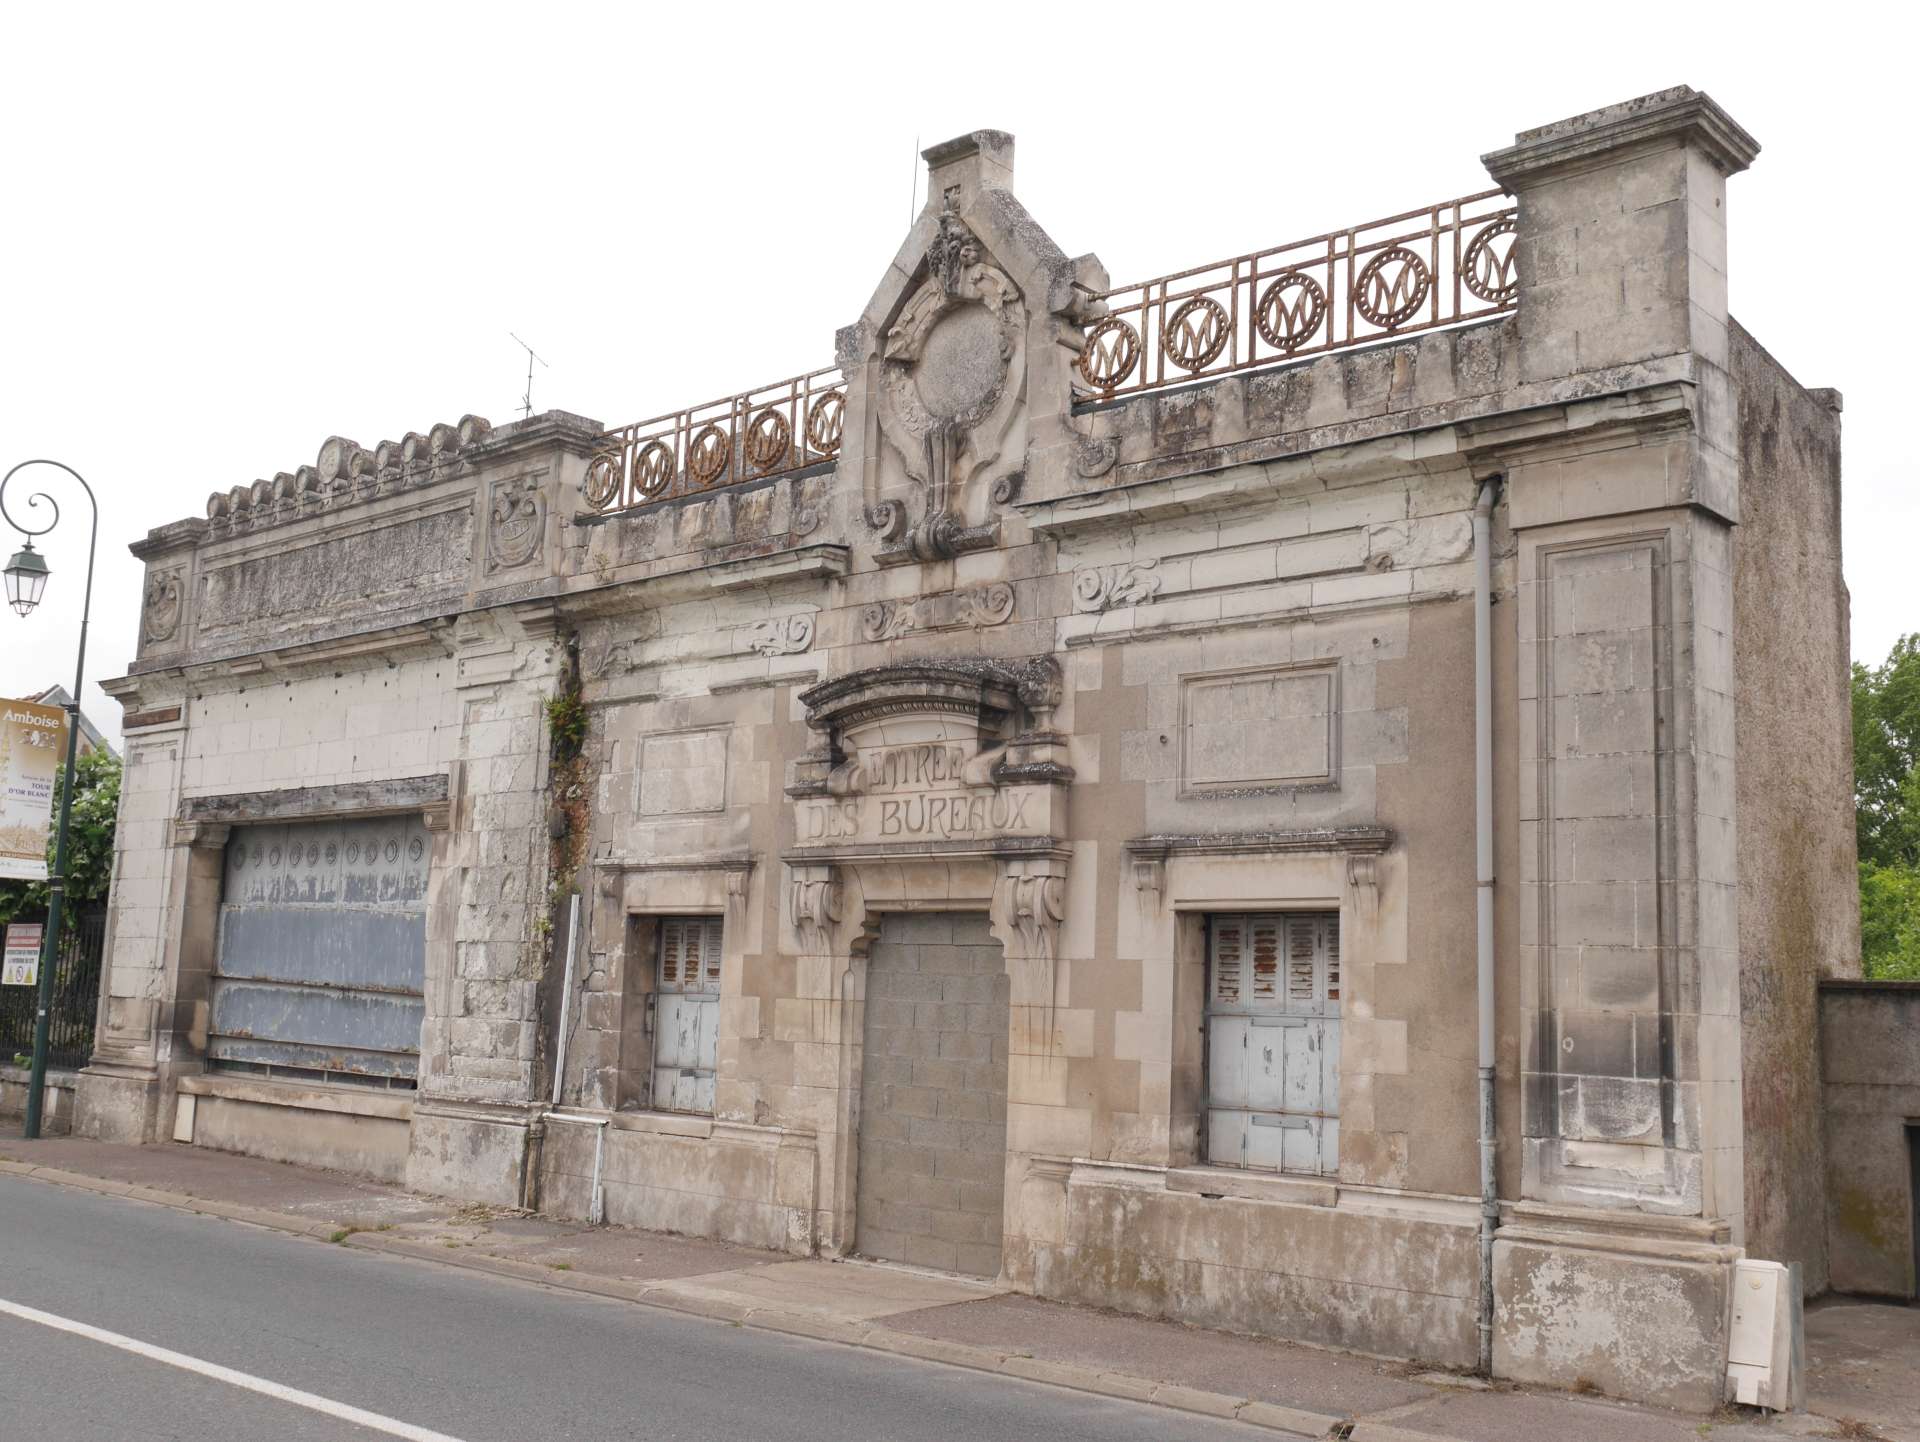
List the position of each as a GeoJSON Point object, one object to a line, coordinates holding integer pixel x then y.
{"type": "Point", "coordinates": [32, 743]}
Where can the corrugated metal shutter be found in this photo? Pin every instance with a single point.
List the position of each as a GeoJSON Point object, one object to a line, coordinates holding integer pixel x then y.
{"type": "Point", "coordinates": [1273, 1041]}
{"type": "Point", "coordinates": [686, 1029]}
{"type": "Point", "coordinates": [321, 957]}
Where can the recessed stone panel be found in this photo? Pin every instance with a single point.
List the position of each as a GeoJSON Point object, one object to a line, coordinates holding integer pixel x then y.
{"type": "Point", "coordinates": [1268, 728]}
{"type": "Point", "coordinates": [682, 772]}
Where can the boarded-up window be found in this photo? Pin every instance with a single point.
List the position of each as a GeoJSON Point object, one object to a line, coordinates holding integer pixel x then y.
{"type": "Point", "coordinates": [687, 1013]}
{"type": "Point", "coordinates": [1273, 1040]}
{"type": "Point", "coordinates": [321, 960]}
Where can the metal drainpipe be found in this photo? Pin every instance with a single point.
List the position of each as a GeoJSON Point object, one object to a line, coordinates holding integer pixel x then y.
{"type": "Point", "coordinates": [1483, 890]}
{"type": "Point", "coordinates": [596, 1204]}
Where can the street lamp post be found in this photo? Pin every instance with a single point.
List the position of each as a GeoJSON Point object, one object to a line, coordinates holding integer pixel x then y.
{"type": "Point", "coordinates": [26, 579]}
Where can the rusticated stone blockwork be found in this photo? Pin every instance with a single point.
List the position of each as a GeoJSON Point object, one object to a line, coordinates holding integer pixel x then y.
{"type": "Point", "coordinates": [959, 696]}
{"type": "Point", "coordinates": [933, 1095]}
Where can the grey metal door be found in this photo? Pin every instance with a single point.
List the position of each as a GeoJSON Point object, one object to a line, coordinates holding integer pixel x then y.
{"type": "Point", "coordinates": [321, 958]}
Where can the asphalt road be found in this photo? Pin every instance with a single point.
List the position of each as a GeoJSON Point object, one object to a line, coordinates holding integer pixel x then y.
{"type": "Point", "coordinates": [422, 1347]}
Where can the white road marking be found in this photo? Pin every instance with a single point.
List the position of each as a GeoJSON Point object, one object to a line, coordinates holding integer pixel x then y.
{"type": "Point", "coordinates": [323, 1405]}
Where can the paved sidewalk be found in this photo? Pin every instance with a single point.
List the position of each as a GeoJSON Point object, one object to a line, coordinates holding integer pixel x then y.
{"type": "Point", "coordinates": [1866, 1360]}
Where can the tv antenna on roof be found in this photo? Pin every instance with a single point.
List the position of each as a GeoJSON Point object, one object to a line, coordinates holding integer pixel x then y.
{"type": "Point", "coordinates": [526, 401]}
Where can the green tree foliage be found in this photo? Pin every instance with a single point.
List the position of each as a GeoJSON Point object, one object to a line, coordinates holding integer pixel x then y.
{"type": "Point", "coordinates": [96, 804]}
{"type": "Point", "coordinates": [1886, 793]}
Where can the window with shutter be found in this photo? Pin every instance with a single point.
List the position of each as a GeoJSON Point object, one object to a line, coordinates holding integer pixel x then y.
{"type": "Point", "coordinates": [686, 1030]}
{"type": "Point", "coordinates": [1273, 1040]}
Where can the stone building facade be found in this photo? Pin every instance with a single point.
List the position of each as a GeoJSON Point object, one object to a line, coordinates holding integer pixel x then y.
{"type": "Point", "coordinates": [1007, 802]}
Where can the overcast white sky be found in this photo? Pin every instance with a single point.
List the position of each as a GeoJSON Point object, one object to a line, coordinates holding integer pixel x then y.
{"type": "Point", "coordinates": [228, 233]}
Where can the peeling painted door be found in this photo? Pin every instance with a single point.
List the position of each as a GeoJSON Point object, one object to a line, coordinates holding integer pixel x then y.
{"type": "Point", "coordinates": [686, 1026]}
{"type": "Point", "coordinates": [321, 956]}
{"type": "Point", "coordinates": [1273, 1041]}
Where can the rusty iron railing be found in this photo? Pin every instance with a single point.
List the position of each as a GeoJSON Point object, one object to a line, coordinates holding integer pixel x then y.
{"type": "Point", "coordinates": [768, 431]}
{"type": "Point", "coordinates": [1435, 266]}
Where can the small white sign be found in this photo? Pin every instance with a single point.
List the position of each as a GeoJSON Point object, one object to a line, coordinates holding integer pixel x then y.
{"type": "Point", "coordinates": [22, 958]}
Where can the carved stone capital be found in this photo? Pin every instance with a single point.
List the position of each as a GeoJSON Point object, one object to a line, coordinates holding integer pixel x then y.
{"type": "Point", "coordinates": [814, 896]}
{"type": "Point", "coordinates": [1149, 873]}
{"type": "Point", "coordinates": [200, 835]}
{"type": "Point", "coordinates": [1030, 905]}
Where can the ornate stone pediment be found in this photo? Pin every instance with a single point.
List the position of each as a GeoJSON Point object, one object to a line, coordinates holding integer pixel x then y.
{"type": "Point", "coordinates": [952, 752]}
{"type": "Point", "coordinates": [952, 384]}
{"type": "Point", "coordinates": [959, 368]}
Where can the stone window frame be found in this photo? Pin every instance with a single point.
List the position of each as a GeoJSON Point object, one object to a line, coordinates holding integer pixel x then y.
{"type": "Point", "coordinates": [622, 946]}
{"type": "Point", "coordinates": [1180, 880]}
{"type": "Point", "coordinates": [657, 923]}
{"type": "Point", "coordinates": [1327, 972]}
{"type": "Point", "coordinates": [202, 826]}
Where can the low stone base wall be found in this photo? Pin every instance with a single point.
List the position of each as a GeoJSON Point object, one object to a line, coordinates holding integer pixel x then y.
{"type": "Point", "coordinates": [471, 1152]}
{"type": "Point", "coordinates": [338, 1127]}
{"type": "Point", "coordinates": [114, 1104]}
{"type": "Point", "coordinates": [1303, 1261]}
{"type": "Point", "coordinates": [666, 1173]}
{"type": "Point", "coordinates": [1634, 1306]}
{"type": "Point", "coordinates": [57, 1104]}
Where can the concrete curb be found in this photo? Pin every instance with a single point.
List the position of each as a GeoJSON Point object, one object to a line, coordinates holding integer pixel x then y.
{"type": "Point", "coordinates": [1121, 1386]}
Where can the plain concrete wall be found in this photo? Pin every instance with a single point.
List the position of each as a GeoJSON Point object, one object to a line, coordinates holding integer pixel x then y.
{"type": "Point", "coordinates": [1870, 1064]}
{"type": "Point", "coordinates": [1799, 901]}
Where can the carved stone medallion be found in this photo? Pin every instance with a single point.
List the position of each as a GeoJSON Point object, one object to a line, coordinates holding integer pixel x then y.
{"type": "Point", "coordinates": [162, 605]}
{"type": "Point", "coordinates": [953, 369]}
{"type": "Point", "coordinates": [516, 523]}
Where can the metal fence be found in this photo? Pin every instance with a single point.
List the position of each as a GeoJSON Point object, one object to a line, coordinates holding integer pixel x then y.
{"type": "Point", "coordinates": [769, 431]}
{"type": "Point", "coordinates": [76, 995]}
{"type": "Point", "coordinates": [1419, 270]}
{"type": "Point", "coordinates": [1410, 272]}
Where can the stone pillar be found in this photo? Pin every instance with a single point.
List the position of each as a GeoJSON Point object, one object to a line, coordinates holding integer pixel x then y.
{"type": "Point", "coordinates": [1043, 1036]}
{"type": "Point", "coordinates": [1614, 1265]}
{"type": "Point", "coordinates": [825, 916]}
{"type": "Point", "coordinates": [486, 947]}
{"type": "Point", "coordinates": [119, 1093]}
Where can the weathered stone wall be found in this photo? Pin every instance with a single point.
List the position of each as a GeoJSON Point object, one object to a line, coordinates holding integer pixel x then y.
{"type": "Point", "coordinates": [365, 637]}
{"type": "Point", "coordinates": [1870, 1076]}
{"type": "Point", "coordinates": [1092, 670]}
{"type": "Point", "coordinates": [1799, 901]}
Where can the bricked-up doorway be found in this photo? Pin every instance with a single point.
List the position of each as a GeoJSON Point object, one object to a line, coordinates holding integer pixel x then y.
{"type": "Point", "coordinates": [933, 1095]}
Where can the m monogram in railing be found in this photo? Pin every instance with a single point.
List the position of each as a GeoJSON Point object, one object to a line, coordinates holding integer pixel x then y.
{"type": "Point", "coordinates": [1448, 263]}
{"type": "Point", "coordinates": [769, 431]}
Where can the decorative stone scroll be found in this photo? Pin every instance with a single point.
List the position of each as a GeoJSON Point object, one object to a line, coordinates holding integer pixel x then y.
{"type": "Point", "coordinates": [1128, 583]}
{"type": "Point", "coordinates": [782, 635]}
{"type": "Point", "coordinates": [981, 606]}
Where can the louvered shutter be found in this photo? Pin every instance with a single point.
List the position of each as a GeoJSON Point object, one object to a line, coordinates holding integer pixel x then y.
{"type": "Point", "coordinates": [686, 1029]}
{"type": "Point", "coordinates": [1273, 1040]}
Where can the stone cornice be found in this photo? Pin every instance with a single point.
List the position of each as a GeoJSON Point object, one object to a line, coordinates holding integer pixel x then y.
{"type": "Point", "coordinates": [1681, 115]}
{"type": "Point", "coordinates": [295, 803]}
{"type": "Point", "coordinates": [1361, 840]}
